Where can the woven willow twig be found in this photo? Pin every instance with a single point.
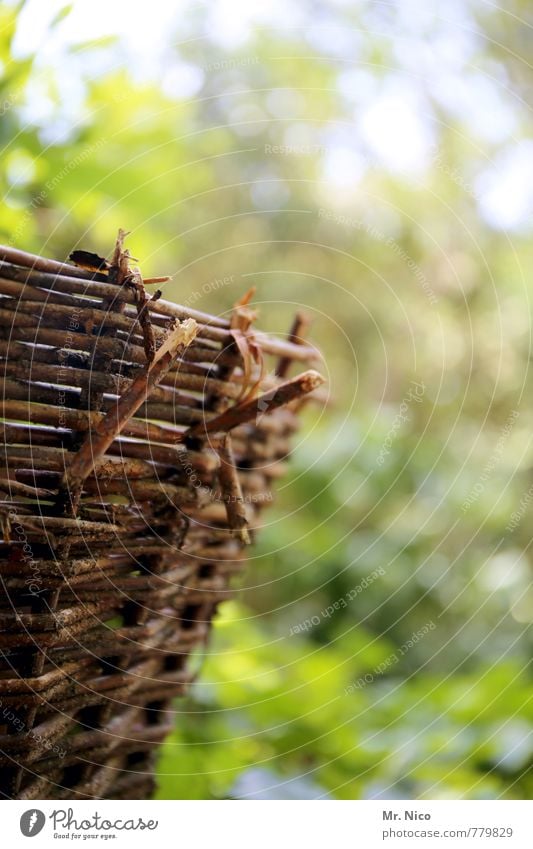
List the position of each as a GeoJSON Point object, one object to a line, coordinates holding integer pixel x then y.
{"type": "Point", "coordinates": [140, 442]}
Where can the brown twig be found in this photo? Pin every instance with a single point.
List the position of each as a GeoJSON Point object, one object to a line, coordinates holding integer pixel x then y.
{"type": "Point", "coordinates": [96, 444]}
{"type": "Point", "coordinates": [268, 401]}
{"type": "Point", "coordinates": [120, 266]}
{"type": "Point", "coordinates": [242, 319]}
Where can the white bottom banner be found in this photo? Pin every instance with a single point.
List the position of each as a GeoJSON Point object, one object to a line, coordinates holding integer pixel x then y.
{"type": "Point", "coordinates": [264, 825]}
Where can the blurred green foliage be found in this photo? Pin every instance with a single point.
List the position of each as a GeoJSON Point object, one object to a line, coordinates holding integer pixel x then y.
{"type": "Point", "coordinates": [266, 176]}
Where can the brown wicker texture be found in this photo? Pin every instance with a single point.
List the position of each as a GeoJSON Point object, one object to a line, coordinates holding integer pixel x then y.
{"type": "Point", "coordinates": [141, 440]}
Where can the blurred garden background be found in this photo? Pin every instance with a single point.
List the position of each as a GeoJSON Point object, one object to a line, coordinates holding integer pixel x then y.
{"type": "Point", "coordinates": [373, 162]}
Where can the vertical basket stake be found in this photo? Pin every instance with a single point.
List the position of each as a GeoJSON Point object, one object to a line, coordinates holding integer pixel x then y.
{"type": "Point", "coordinates": [296, 335]}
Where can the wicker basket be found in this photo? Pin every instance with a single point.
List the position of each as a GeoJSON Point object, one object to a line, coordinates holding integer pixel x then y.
{"type": "Point", "coordinates": [141, 440]}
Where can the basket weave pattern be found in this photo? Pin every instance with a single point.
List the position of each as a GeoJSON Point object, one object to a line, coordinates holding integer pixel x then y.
{"type": "Point", "coordinates": [141, 440]}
